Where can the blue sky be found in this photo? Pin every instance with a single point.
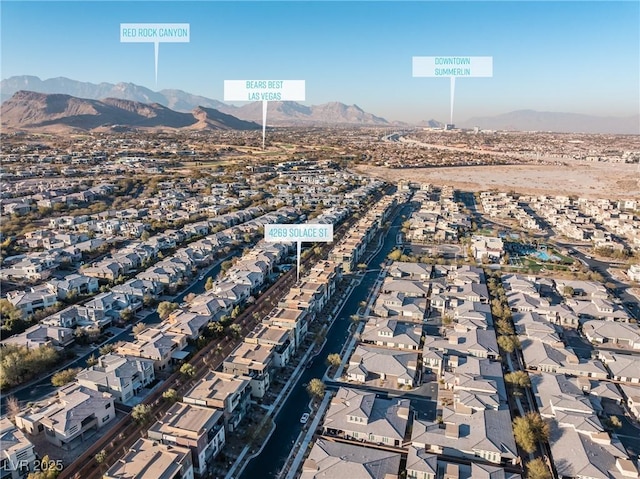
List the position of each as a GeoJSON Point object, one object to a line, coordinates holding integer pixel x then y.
{"type": "Point", "coordinates": [572, 56]}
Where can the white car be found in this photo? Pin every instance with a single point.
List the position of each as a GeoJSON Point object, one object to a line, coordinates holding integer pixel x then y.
{"type": "Point", "coordinates": [304, 418]}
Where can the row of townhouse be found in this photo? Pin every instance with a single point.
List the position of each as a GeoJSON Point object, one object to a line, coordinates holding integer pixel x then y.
{"type": "Point", "coordinates": [350, 249]}
{"type": "Point", "coordinates": [120, 377]}
{"type": "Point", "coordinates": [595, 220]}
{"type": "Point", "coordinates": [439, 217]}
{"type": "Point", "coordinates": [505, 205]}
{"type": "Point", "coordinates": [219, 402]}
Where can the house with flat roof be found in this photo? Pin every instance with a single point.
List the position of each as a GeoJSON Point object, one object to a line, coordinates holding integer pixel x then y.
{"type": "Point", "coordinates": [293, 319]}
{"type": "Point", "coordinates": [228, 392]}
{"type": "Point", "coordinates": [276, 336]}
{"type": "Point", "coordinates": [198, 428]}
{"type": "Point", "coordinates": [149, 459]}
{"type": "Point", "coordinates": [329, 459]}
{"type": "Point", "coordinates": [361, 415]}
{"type": "Point", "coordinates": [253, 360]}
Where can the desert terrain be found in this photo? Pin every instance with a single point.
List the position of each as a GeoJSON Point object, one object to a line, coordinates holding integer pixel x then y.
{"type": "Point", "coordinates": [592, 180]}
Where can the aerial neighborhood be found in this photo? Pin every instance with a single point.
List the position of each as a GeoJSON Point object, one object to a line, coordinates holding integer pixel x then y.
{"type": "Point", "coordinates": [150, 327]}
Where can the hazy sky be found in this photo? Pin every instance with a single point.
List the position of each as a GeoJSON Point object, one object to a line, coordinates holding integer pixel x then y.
{"type": "Point", "coordinates": [573, 56]}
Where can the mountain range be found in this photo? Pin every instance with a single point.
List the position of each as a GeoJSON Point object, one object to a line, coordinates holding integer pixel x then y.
{"type": "Point", "coordinates": [284, 113]}
{"type": "Point", "coordinates": [279, 113]}
{"type": "Point", "coordinates": [58, 113]}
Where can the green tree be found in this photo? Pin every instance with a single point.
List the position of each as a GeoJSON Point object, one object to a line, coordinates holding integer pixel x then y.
{"type": "Point", "coordinates": [568, 291]}
{"type": "Point", "coordinates": [126, 315]}
{"type": "Point", "coordinates": [141, 413]}
{"type": "Point", "coordinates": [145, 235]}
{"type": "Point", "coordinates": [48, 471]}
{"type": "Point", "coordinates": [165, 308]}
{"type": "Point", "coordinates": [509, 343]}
{"type": "Point", "coordinates": [395, 255]}
{"type": "Point", "coordinates": [19, 363]}
{"type": "Point", "coordinates": [518, 379]}
{"type": "Point", "coordinates": [64, 377]}
{"type": "Point", "coordinates": [138, 328]}
{"type": "Point", "coordinates": [216, 329]}
{"type": "Point", "coordinates": [316, 388]}
{"type": "Point", "coordinates": [537, 469]}
{"type": "Point", "coordinates": [106, 349]}
{"type": "Point", "coordinates": [334, 359]}
{"type": "Point", "coordinates": [8, 311]}
{"type": "Point", "coordinates": [208, 285]}
{"type": "Point", "coordinates": [529, 429]}
{"type": "Point", "coordinates": [188, 370]}
{"type": "Point", "coordinates": [236, 312]}
{"type": "Point", "coordinates": [101, 457]}
{"type": "Point", "coordinates": [171, 395]}
{"type": "Point", "coordinates": [614, 421]}
{"type": "Point", "coordinates": [504, 327]}
{"type": "Point", "coordinates": [235, 330]}
{"type": "Point", "coordinates": [92, 360]}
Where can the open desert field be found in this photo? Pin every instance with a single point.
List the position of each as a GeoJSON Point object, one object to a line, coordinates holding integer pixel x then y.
{"type": "Point", "coordinates": [593, 180]}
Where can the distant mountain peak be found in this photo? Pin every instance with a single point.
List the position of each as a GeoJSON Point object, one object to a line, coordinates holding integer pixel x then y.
{"type": "Point", "coordinates": [279, 113]}
{"type": "Point", "coordinates": [61, 112]}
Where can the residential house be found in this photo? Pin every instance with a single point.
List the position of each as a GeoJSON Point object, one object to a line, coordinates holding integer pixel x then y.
{"type": "Point", "coordinates": [339, 460]}
{"type": "Point", "coordinates": [197, 428]}
{"type": "Point", "coordinates": [18, 454]}
{"type": "Point", "coordinates": [69, 416]}
{"type": "Point", "coordinates": [121, 376]}
{"type": "Point", "coordinates": [359, 415]}
{"type": "Point", "coordinates": [253, 360]}
{"type": "Point", "coordinates": [148, 459]}
{"type": "Point", "coordinates": [486, 434]}
{"type": "Point", "coordinates": [228, 392]}
{"type": "Point", "coordinates": [383, 367]}
{"type": "Point", "coordinates": [391, 333]}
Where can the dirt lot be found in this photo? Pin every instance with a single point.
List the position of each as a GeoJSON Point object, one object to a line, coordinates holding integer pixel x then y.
{"type": "Point", "coordinates": [593, 180]}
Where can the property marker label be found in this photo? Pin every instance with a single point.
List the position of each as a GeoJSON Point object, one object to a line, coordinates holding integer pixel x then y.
{"type": "Point", "coordinates": [155, 33]}
{"type": "Point", "coordinates": [310, 233]}
{"type": "Point", "coordinates": [276, 233]}
{"type": "Point", "coordinates": [264, 91]}
{"type": "Point", "coordinates": [453, 67]}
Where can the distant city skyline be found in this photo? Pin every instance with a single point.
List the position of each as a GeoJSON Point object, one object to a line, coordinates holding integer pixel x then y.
{"type": "Point", "coordinates": [574, 56]}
